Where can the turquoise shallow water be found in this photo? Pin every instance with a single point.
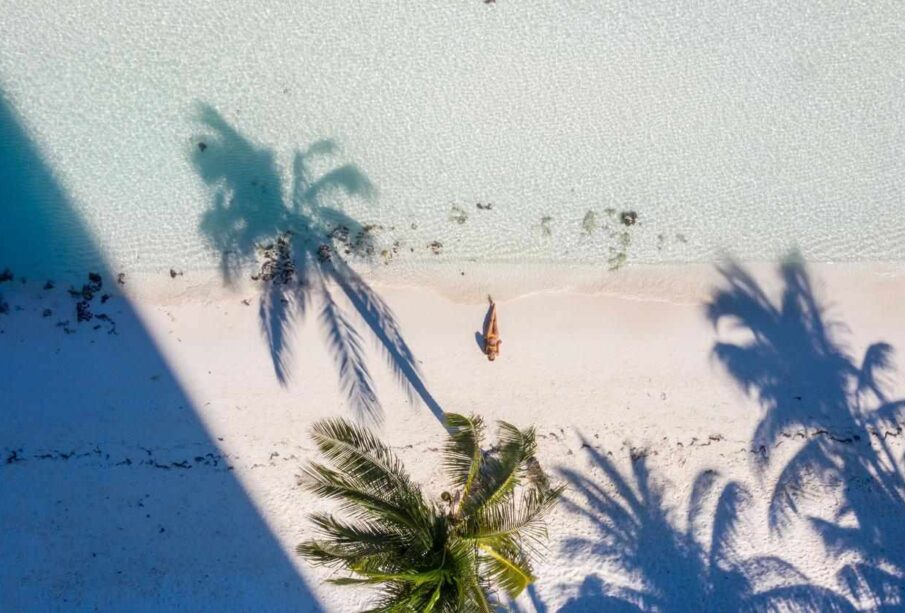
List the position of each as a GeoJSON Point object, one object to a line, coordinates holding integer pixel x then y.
{"type": "Point", "coordinates": [175, 132]}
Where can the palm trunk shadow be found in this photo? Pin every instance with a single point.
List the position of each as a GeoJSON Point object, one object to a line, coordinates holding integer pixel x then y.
{"type": "Point", "coordinates": [382, 322]}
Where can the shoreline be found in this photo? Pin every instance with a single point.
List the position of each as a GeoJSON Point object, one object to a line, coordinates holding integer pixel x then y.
{"type": "Point", "coordinates": [504, 281]}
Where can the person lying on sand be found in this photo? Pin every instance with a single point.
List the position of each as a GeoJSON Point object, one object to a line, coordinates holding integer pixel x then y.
{"type": "Point", "coordinates": [492, 340]}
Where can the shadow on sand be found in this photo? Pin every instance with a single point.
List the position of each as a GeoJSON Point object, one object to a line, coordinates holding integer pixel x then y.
{"type": "Point", "coordinates": [307, 242]}
{"type": "Point", "coordinates": [811, 389]}
{"type": "Point", "coordinates": [656, 562]}
{"type": "Point", "coordinates": [113, 495]}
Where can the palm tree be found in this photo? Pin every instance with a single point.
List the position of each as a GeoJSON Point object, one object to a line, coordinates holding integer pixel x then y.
{"type": "Point", "coordinates": [451, 555]}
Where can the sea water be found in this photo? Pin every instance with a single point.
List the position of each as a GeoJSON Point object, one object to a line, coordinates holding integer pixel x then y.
{"type": "Point", "coordinates": [167, 134]}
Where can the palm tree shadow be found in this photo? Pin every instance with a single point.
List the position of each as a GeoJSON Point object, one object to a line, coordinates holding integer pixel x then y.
{"type": "Point", "coordinates": [655, 564]}
{"type": "Point", "coordinates": [809, 386]}
{"type": "Point", "coordinates": [308, 244]}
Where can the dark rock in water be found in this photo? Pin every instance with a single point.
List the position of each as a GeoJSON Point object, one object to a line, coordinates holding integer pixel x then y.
{"type": "Point", "coordinates": [48, 285]}
{"type": "Point", "coordinates": [6, 275]}
{"type": "Point", "coordinates": [95, 279]}
{"type": "Point", "coordinates": [46, 313]}
{"type": "Point", "coordinates": [4, 307]}
{"type": "Point", "coordinates": [202, 147]}
{"type": "Point", "coordinates": [278, 265]}
{"type": "Point", "coordinates": [83, 311]}
{"type": "Point", "coordinates": [121, 278]}
{"type": "Point", "coordinates": [628, 218]}
{"type": "Point", "coordinates": [105, 298]}
{"type": "Point", "coordinates": [323, 253]}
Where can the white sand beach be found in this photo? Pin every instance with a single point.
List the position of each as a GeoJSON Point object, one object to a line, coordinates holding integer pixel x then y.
{"type": "Point", "coordinates": [728, 443]}
{"type": "Point", "coordinates": [137, 464]}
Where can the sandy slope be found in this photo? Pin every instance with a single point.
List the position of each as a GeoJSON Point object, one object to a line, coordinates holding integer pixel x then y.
{"type": "Point", "coordinates": [157, 468]}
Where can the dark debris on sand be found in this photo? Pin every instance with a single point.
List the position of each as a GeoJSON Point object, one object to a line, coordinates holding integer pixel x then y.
{"type": "Point", "coordinates": [84, 300]}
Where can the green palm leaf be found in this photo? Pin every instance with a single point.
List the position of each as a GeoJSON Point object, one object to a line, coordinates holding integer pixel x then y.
{"type": "Point", "coordinates": [462, 456]}
{"type": "Point", "coordinates": [430, 557]}
{"type": "Point", "coordinates": [501, 474]}
{"type": "Point", "coordinates": [508, 567]}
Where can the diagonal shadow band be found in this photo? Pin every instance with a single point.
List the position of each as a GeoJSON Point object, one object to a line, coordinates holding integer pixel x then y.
{"type": "Point", "coordinates": [113, 494]}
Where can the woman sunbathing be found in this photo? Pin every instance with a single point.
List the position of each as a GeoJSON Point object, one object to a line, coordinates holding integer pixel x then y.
{"type": "Point", "coordinates": [492, 340]}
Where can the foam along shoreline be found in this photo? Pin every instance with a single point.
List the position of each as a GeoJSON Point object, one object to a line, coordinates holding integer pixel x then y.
{"type": "Point", "coordinates": [626, 371]}
{"type": "Point", "coordinates": [691, 282]}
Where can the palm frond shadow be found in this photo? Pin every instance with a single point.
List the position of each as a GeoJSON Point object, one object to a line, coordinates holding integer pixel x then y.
{"type": "Point", "coordinates": [654, 563]}
{"type": "Point", "coordinates": [249, 210]}
{"type": "Point", "coordinates": [809, 386]}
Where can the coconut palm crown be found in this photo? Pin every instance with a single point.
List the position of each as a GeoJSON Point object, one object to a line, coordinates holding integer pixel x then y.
{"type": "Point", "coordinates": [455, 554]}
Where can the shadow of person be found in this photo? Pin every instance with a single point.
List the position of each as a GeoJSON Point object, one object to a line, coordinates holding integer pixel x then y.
{"type": "Point", "coordinates": [809, 387]}
{"type": "Point", "coordinates": [479, 339]}
{"type": "Point", "coordinates": [307, 242]}
{"type": "Point", "coordinates": [655, 564]}
{"type": "Point", "coordinates": [114, 494]}
{"type": "Point", "coordinates": [479, 336]}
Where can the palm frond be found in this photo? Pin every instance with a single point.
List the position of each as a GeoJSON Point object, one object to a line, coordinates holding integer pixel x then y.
{"type": "Point", "coordinates": [357, 453]}
{"type": "Point", "coordinates": [507, 566]}
{"type": "Point", "coordinates": [503, 471]}
{"type": "Point", "coordinates": [423, 557]}
{"type": "Point", "coordinates": [364, 501]}
{"type": "Point", "coordinates": [462, 455]}
{"type": "Point", "coordinates": [363, 538]}
{"type": "Point", "coordinates": [521, 519]}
